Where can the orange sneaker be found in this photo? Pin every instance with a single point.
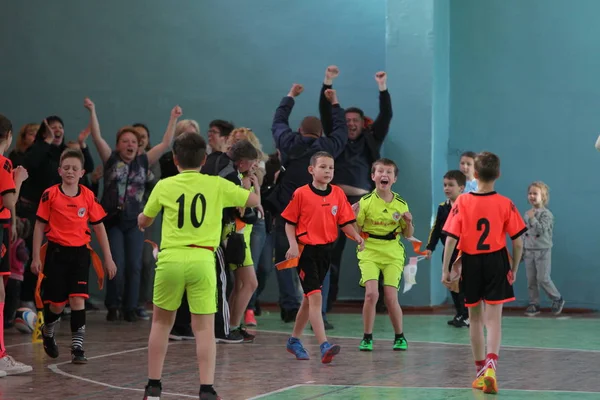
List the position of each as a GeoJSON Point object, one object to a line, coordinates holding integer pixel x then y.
{"type": "Point", "coordinates": [490, 385]}
{"type": "Point", "coordinates": [249, 319]}
{"type": "Point", "coordinates": [478, 383]}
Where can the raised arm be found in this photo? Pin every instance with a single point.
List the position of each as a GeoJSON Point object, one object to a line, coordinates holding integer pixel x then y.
{"type": "Point", "coordinates": [282, 133]}
{"type": "Point", "coordinates": [334, 144]}
{"type": "Point", "coordinates": [381, 126]}
{"type": "Point", "coordinates": [325, 111]}
{"type": "Point", "coordinates": [157, 151]}
{"type": "Point", "coordinates": [103, 148]}
{"type": "Point", "coordinates": [88, 161]}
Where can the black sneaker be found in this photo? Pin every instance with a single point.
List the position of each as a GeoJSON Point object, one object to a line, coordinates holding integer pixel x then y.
{"type": "Point", "coordinates": [152, 393]}
{"type": "Point", "coordinates": [78, 356]}
{"type": "Point", "coordinates": [181, 333]}
{"type": "Point", "coordinates": [209, 396]}
{"type": "Point", "coordinates": [233, 337]}
{"type": "Point", "coordinates": [112, 315]}
{"type": "Point", "coordinates": [248, 337]}
{"type": "Point", "coordinates": [130, 316]}
{"type": "Point", "coordinates": [50, 346]}
{"type": "Point", "coordinates": [461, 322]}
{"type": "Point", "coordinates": [453, 320]}
{"type": "Point", "coordinates": [532, 310]}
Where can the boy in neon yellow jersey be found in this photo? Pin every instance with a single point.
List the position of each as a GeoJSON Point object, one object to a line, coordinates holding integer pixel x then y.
{"type": "Point", "coordinates": [192, 205]}
{"type": "Point", "coordinates": [382, 216]}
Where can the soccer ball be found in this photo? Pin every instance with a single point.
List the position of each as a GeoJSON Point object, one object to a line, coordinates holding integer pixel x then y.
{"type": "Point", "coordinates": [25, 320]}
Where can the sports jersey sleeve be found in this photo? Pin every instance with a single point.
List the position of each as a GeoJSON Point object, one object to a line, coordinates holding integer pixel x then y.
{"type": "Point", "coordinates": [7, 181]}
{"type": "Point", "coordinates": [291, 214]}
{"type": "Point", "coordinates": [360, 218]}
{"type": "Point", "coordinates": [453, 225]}
{"type": "Point", "coordinates": [96, 212]}
{"type": "Point", "coordinates": [153, 205]}
{"type": "Point", "coordinates": [514, 224]}
{"type": "Point", "coordinates": [345, 215]}
{"type": "Point", "coordinates": [233, 195]}
{"type": "Point", "coordinates": [43, 212]}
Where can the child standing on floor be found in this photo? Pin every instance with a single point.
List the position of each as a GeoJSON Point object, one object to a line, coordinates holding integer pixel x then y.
{"type": "Point", "coordinates": [63, 216]}
{"type": "Point", "coordinates": [382, 216]}
{"type": "Point", "coordinates": [538, 250]}
{"type": "Point", "coordinates": [312, 218]}
{"type": "Point", "coordinates": [482, 220]}
{"type": "Point", "coordinates": [467, 167]}
{"type": "Point", "coordinates": [454, 185]}
{"type": "Point", "coordinates": [18, 255]}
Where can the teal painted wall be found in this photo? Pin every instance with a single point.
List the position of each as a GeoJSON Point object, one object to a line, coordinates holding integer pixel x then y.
{"type": "Point", "coordinates": [524, 78]}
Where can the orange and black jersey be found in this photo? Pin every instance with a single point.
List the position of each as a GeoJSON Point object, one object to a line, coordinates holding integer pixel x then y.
{"type": "Point", "coordinates": [67, 217]}
{"type": "Point", "coordinates": [482, 221]}
{"type": "Point", "coordinates": [318, 213]}
{"type": "Point", "coordinates": [7, 185]}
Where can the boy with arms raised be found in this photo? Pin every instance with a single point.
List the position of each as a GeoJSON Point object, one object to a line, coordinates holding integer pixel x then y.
{"type": "Point", "coordinates": [454, 185]}
{"type": "Point", "coordinates": [481, 220]}
{"type": "Point", "coordinates": [382, 216]}
{"type": "Point", "coordinates": [192, 205]}
{"type": "Point", "coordinates": [63, 216]}
{"type": "Point", "coordinates": [312, 218]}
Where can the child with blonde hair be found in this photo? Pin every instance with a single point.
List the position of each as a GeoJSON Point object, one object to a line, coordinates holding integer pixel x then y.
{"type": "Point", "coordinates": [538, 250]}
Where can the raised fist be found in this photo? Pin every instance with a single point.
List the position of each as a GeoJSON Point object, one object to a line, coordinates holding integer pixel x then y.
{"type": "Point", "coordinates": [381, 77]}
{"type": "Point", "coordinates": [176, 112]}
{"type": "Point", "coordinates": [87, 103]}
{"type": "Point", "coordinates": [20, 174]}
{"type": "Point", "coordinates": [332, 72]}
{"type": "Point", "coordinates": [331, 96]}
{"type": "Point", "coordinates": [296, 90]}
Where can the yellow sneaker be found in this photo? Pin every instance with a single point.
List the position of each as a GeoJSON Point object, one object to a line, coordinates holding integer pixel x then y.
{"type": "Point", "coordinates": [478, 383]}
{"type": "Point", "coordinates": [490, 385]}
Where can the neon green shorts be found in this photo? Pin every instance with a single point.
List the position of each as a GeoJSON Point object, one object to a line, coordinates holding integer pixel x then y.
{"type": "Point", "coordinates": [186, 269]}
{"type": "Point", "coordinates": [392, 273]}
{"type": "Point", "coordinates": [248, 257]}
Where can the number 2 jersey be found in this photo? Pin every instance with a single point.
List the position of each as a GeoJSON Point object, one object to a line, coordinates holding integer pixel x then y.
{"type": "Point", "coordinates": [192, 205]}
{"type": "Point", "coordinates": [482, 221]}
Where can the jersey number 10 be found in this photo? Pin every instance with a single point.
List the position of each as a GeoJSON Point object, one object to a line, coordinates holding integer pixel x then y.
{"type": "Point", "coordinates": [193, 213]}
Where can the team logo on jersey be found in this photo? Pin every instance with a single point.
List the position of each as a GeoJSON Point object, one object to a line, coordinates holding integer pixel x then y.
{"type": "Point", "coordinates": [396, 216]}
{"type": "Point", "coordinates": [7, 166]}
{"type": "Point", "coordinates": [454, 210]}
{"type": "Point", "coordinates": [334, 210]}
{"type": "Point", "coordinates": [81, 212]}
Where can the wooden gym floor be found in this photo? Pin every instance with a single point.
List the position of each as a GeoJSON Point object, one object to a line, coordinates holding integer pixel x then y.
{"type": "Point", "coordinates": [542, 358]}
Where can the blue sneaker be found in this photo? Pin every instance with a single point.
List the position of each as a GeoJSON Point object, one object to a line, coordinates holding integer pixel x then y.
{"type": "Point", "coordinates": [328, 351]}
{"type": "Point", "coordinates": [294, 346]}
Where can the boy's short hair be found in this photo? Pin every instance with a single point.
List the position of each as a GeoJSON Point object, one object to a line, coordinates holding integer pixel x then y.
{"type": "Point", "coordinates": [469, 154]}
{"type": "Point", "coordinates": [385, 162]}
{"type": "Point", "coordinates": [72, 153]}
{"type": "Point", "coordinates": [487, 166]}
{"type": "Point", "coordinates": [5, 127]}
{"type": "Point", "coordinates": [243, 150]}
{"type": "Point", "coordinates": [317, 155]}
{"type": "Point", "coordinates": [224, 127]}
{"type": "Point", "coordinates": [456, 175]}
{"type": "Point", "coordinates": [544, 189]}
{"type": "Point", "coordinates": [311, 126]}
{"type": "Point", "coordinates": [189, 149]}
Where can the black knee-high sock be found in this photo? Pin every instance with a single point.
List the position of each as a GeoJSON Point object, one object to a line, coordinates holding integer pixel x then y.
{"type": "Point", "coordinates": [77, 328]}
{"type": "Point", "coordinates": [50, 320]}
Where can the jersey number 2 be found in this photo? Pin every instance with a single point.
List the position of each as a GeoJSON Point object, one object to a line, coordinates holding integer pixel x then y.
{"type": "Point", "coordinates": [483, 224]}
{"type": "Point", "coordinates": [193, 212]}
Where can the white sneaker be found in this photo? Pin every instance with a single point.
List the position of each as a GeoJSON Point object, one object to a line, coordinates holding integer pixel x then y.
{"type": "Point", "coordinates": [10, 366]}
{"type": "Point", "coordinates": [2, 374]}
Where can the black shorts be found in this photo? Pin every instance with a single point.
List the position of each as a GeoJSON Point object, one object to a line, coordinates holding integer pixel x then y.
{"type": "Point", "coordinates": [4, 251]}
{"type": "Point", "coordinates": [485, 277]}
{"type": "Point", "coordinates": [313, 266]}
{"type": "Point", "coordinates": [66, 273]}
